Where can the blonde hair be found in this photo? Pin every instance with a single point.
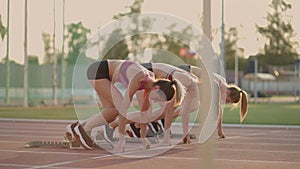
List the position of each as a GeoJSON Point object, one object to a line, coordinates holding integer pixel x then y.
{"type": "Point", "coordinates": [238, 95]}
{"type": "Point", "coordinates": [180, 92]}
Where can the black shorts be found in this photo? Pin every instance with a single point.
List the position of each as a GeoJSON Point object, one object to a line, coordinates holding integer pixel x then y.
{"type": "Point", "coordinates": [185, 67]}
{"type": "Point", "coordinates": [148, 66]}
{"type": "Point", "coordinates": [98, 70]}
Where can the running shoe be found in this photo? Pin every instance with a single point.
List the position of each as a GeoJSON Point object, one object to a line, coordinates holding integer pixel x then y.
{"type": "Point", "coordinates": [136, 131]}
{"type": "Point", "coordinates": [70, 131]}
{"type": "Point", "coordinates": [84, 138]}
{"type": "Point", "coordinates": [108, 133]}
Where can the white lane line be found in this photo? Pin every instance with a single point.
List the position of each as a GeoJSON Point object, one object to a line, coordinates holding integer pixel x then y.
{"type": "Point", "coordinates": [29, 166]}
{"type": "Point", "coordinates": [128, 154]}
{"type": "Point", "coordinates": [12, 142]}
{"type": "Point", "coordinates": [264, 143]}
{"type": "Point", "coordinates": [110, 155]}
{"type": "Point", "coordinates": [15, 165]}
{"type": "Point", "coordinates": [267, 151]}
{"type": "Point", "coordinates": [39, 128]}
{"type": "Point", "coordinates": [245, 135]}
{"type": "Point", "coordinates": [269, 135]}
{"type": "Point", "coordinates": [28, 131]}
{"type": "Point", "coordinates": [50, 152]}
{"type": "Point", "coordinates": [252, 134]}
{"type": "Point", "coordinates": [19, 135]}
{"type": "Point", "coordinates": [259, 161]}
{"type": "Point", "coordinates": [269, 138]}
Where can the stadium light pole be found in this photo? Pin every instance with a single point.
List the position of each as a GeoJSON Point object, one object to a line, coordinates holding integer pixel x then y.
{"type": "Point", "coordinates": [207, 151]}
{"type": "Point", "coordinates": [255, 80]}
{"type": "Point", "coordinates": [7, 100]}
{"type": "Point", "coordinates": [63, 67]}
{"type": "Point", "coordinates": [236, 66]}
{"type": "Point", "coordinates": [25, 85]}
{"type": "Point", "coordinates": [54, 68]}
{"type": "Point", "coordinates": [223, 56]}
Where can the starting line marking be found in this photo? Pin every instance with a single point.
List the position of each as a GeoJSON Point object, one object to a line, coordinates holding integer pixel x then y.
{"type": "Point", "coordinates": [267, 151]}
{"type": "Point", "coordinates": [50, 152]}
{"type": "Point", "coordinates": [259, 161]}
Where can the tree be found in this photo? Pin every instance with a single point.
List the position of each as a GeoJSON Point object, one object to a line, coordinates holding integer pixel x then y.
{"type": "Point", "coordinates": [76, 38]}
{"type": "Point", "coordinates": [135, 8]}
{"type": "Point", "coordinates": [48, 49]}
{"type": "Point", "coordinates": [279, 48]}
{"type": "Point", "coordinates": [139, 42]}
{"type": "Point", "coordinates": [33, 60]}
{"type": "Point", "coordinates": [231, 38]}
{"type": "Point", "coordinates": [174, 45]}
{"type": "Point", "coordinates": [2, 29]}
{"type": "Point", "coordinates": [136, 40]}
{"type": "Point", "coordinates": [119, 50]}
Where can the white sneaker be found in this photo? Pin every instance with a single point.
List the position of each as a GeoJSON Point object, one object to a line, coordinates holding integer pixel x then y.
{"type": "Point", "coordinates": [70, 131]}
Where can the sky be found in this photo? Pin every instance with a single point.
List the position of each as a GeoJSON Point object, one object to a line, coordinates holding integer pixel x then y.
{"type": "Point", "coordinates": [243, 14]}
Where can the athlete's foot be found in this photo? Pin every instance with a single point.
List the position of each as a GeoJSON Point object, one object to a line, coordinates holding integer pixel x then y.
{"type": "Point", "coordinates": [120, 148]}
{"type": "Point", "coordinates": [70, 133]}
{"type": "Point", "coordinates": [186, 140]}
{"type": "Point", "coordinates": [166, 142]}
{"type": "Point", "coordinates": [221, 134]}
{"type": "Point", "coordinates": [146, 143]}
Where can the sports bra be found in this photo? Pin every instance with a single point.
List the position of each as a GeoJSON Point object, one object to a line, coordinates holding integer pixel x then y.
{"type": "Point", "coordinates": [124, 79]}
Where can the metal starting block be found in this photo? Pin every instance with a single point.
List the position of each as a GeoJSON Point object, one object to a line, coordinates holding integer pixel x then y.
{"type": "Point", "coordinates": [58, 144]}
{"type": "Point", "coordinates": [76, 145]}
{"type": "Point", "coordinates": [65, 144]}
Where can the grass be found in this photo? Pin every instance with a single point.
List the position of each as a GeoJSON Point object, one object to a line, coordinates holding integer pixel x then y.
{"type": "Point", "coordinates": [266, 113]}
{"type": "Point", "coordinates": [263, 113]}
{"type": "Point", "coordinates": [53, 113]}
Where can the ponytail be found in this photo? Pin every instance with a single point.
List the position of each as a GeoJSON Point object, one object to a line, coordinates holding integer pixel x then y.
{"type": "Point", "coordinates": [243, 106]}
{"type": "Point", "coordinates": [238, 95]}
{"type": "Point", "coordinates": [171, 89]}
{"type": "Point", "coordinates": [180, 92]}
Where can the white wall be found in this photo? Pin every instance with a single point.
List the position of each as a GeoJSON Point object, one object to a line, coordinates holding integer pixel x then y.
{"type": "Point", "coordinates": [282, 87]}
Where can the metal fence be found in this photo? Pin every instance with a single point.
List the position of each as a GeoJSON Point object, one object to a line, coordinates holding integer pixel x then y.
{"type": "Point", "coordinates": [40, 84]}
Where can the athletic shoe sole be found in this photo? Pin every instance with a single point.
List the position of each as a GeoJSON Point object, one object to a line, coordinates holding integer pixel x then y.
{"type": "Point", "coordinates": [80, 134]}
{"type": "Point", "coordinates": [70, 131]}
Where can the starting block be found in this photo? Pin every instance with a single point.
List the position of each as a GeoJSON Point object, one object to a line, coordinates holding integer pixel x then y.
{"type": "Point", "coordinates": [76, 145]}
{"type": "Point", "coordinates": [65, 144]}
{"type": "Point", "coordinates": [58, 144]}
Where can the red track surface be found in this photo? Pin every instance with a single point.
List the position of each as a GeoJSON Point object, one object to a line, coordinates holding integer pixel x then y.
{"type": "Point", "coordinates": [244, 148]}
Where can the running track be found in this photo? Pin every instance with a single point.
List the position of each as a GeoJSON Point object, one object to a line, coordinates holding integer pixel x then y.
{"type": "Point", "coordinates": [244, 148]}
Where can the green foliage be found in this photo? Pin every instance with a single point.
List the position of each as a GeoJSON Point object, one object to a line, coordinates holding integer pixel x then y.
{"type": "Point", "coordinates": [231, 50]}
{"type": "Point", "coordinates": [119, 50]}
{"type": "Point", "coordinates": [48, 49]}
{"type": "Point", "coordinates": [33, 60]}
{"type": "Point", "coordinates": [279, 48]}
{"type": "Point", "coordinates": [76, 38]}
{"type": "Point", "coordinates": [53, 113]}
{"type": "Point", "coordinates": [266, 113]}
{"type": "Point", "coordinates": [263, 113]}
{"type": "Point", "coordinates": [135, 8]}
{"type": "Point", "coordinates": [48, 43]}
{"type": "Point", "coordinates": [2, 29]}
{"type": "Point", "coordinates": [139, 42]}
